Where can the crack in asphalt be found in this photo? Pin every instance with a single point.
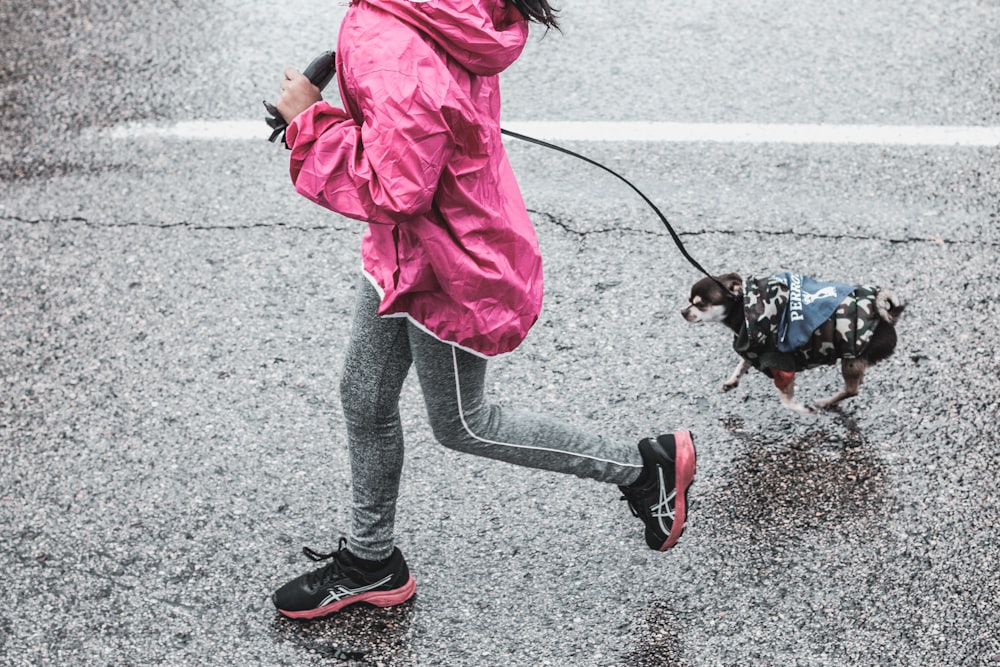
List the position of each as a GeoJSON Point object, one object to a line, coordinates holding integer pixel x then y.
{"type": "Point", "coordinates": [565, 226]}
{"type": "Point", "coordinates": [167, 225]}
{"type": "Point", "coordinates": [554, 220]}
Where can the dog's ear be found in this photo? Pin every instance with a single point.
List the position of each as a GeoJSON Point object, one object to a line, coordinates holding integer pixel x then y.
{"type": "Point", "coordinates": [734, 282]}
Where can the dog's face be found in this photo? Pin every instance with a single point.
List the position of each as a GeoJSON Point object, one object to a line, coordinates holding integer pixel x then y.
{"type": "Point", "coordinates": [709, 301]}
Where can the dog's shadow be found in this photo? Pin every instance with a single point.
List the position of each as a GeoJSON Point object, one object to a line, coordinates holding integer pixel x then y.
{"type": "Point", "coordinates": [787, 482]}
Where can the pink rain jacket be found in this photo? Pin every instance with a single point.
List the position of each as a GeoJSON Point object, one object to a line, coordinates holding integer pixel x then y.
{"type": "Point", "coordinates": [418, 155]}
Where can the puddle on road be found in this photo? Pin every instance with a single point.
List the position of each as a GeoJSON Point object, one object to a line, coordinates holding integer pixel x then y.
{"type": "Point", "coordinates": [657, 641]}
{"type": "Point", "coordinates": [784, 484]}
{"type": "Point", "coordinates": [358, 634]}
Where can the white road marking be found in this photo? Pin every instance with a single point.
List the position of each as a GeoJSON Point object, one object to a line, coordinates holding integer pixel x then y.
{"type": "Point", "coordinates": [757, 133]}
{"type": "Point", "coordinates": [729, 133]}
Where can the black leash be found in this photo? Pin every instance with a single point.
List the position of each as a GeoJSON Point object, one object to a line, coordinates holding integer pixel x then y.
{"type": "Point", "coordinates": [663, 218]}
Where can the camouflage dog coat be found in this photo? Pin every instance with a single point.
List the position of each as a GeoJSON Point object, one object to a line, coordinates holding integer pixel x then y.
{"type": "Point", "coordinates": [846, 334]}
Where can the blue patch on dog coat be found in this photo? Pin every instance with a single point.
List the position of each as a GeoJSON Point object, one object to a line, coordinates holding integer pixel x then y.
{"type": "Point", "coordinates": [810, 303]}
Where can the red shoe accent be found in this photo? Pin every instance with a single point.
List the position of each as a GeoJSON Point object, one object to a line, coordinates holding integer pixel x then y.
{"type": "Point", "coordinates": [684, 467]}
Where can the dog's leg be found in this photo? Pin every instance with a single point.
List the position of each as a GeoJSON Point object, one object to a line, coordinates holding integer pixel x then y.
{"type": "Point", "coordinates": [853, 371]}
{"type": "Point", "coordinates": [787, 395]}
{"type": "Point", "coordinates": [734, 379]}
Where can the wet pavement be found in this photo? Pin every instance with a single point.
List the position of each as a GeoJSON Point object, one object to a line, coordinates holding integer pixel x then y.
{"type": "Point", "coordinates": [172, 328]}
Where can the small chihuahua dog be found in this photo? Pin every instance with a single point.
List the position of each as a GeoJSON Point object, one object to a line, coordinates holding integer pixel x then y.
{"type": "Point", "coordinates": [788, 323]}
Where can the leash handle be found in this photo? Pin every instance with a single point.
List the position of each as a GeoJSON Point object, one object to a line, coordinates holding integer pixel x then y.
{"type": "Point", "coordinates": [319, 72]}
{"type": "Point", "coordinates": [663, 218]}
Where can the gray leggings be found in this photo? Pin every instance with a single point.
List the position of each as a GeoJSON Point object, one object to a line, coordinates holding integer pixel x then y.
{"type": "Point", "coordinates": [378, 358]}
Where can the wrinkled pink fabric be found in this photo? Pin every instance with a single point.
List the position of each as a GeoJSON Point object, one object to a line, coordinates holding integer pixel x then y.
{"type": "Point", "coordinates": [418, 155]}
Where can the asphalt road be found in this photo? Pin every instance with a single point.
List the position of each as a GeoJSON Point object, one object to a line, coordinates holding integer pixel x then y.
{"type": "Point", "coordinates": [172, 320]}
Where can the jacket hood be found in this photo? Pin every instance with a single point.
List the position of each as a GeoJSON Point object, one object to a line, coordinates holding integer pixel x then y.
{"type": "Point", "coordinates": [484, 36]}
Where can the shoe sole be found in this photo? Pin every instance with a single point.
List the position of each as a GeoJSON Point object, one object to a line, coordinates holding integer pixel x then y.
{"type": "Point", "coordinates": [685, 462]}
{"type": "Point", "coordinates": [378, 598]}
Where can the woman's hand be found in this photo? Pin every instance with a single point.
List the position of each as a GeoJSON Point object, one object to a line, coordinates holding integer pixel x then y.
{"type": "Point", "coordinates": [297, 94]}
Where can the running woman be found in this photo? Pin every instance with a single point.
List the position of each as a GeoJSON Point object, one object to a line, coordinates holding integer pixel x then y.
{"type": "Point", "coordinates": [452, 276]}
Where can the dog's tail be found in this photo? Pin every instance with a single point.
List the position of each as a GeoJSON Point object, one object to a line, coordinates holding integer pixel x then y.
{"type": "Point", "coordinates": [889, 306]}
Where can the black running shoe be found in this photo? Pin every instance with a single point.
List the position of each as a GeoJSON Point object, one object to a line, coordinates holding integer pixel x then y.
{"type": "Point", "coordinates": [659, 496]}
{"type": "Point", "coordinates": [341, 582]}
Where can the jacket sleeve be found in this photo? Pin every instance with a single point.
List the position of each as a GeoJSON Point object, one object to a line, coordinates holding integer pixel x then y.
{"type": "Point", "coordinates": [386, 169]}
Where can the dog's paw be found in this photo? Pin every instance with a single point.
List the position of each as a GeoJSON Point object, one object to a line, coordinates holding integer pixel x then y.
{"type": "Point", "coordinates": [729, 386]}
{"type": "Point", "coordinates": [796, 407]}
